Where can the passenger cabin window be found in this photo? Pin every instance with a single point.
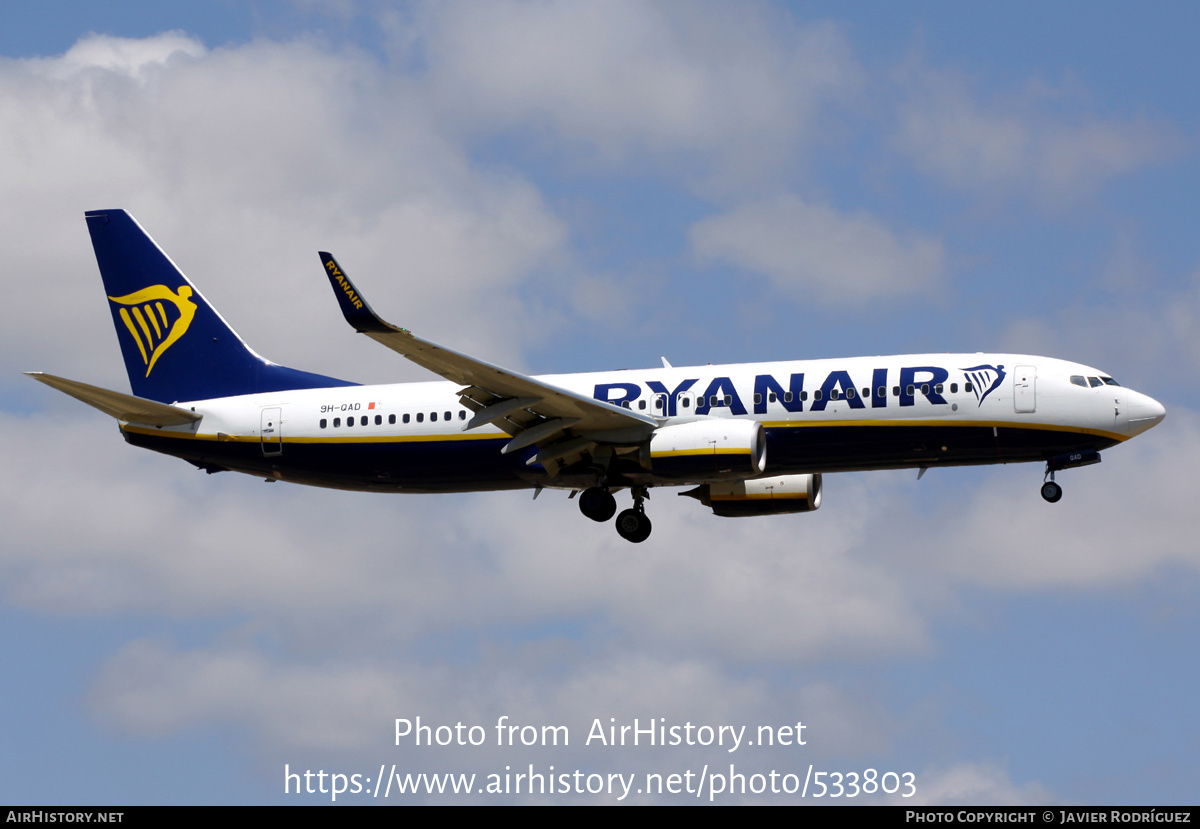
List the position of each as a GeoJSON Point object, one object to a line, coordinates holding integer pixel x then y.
{"type": "Point", "coordinates": [911, 391]}
{"type": "Point", "coordinates": [420, 417]}
{"type": "Point", "coordinates": [392, 420]}
{"type": "Point", "coordinates": [337, 421]}
{"type": "Point", "coordinates": [686, 402]}
{"type": "Point", "coordinates": [938, 388]}
{"type": "Point", "coordinates": [363, 421]}
{"type": "Point", "coordinates": [850, 394]}
{"type": "Point", "coordinates": [881, 391]}
{"type": "Point", "coordinates": [1077, 379]}
{"type": "Point", "coordinates": [924, 388]}
{"type": "Point", "coordinates": [817, 394]}
{"type": "Point", "coordinates": [378, 420]}
{"type": "Point", "coordinates": [642, 405]}
{"type": "Point", "coordinates": [349, 422]}
{"type": "Point", "coordinates": [967, 387]}
{"type": "Point", "coordinates": [834, 394]}
{"type": "Point", "coordinates": [787, 396]}
{"type": "Point", "coordinates": [406, 417]}
{"type": "Point", "coordinates": [757, 398]}
{"type": "Point", "coordinates": [324, 423]}
{"type": "Point", "coordinates": [446, 415]}
{"type": "Point", "coordinates": [462, 414]}
{"type": "Point", "coordinates": [895, 391]}
{"type": "Point", "coordinates": [770, 397]}
{"type": "Point", "coordinates": [954, 388]}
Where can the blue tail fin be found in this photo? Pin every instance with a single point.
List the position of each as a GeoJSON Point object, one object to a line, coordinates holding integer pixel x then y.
{"type": "Point", "coordinates": [176, 346]}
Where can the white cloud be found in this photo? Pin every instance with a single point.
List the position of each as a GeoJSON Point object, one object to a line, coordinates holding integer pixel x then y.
{"type": "Point", "coordinates": [1019, 145]}
{"type": "Point", "coordinates": [148, 534]}
{"type": "Point", "coordinates": [739, 86]}
{"type": "Point", "coordinates": [1181, 315]}
{"type": "Point", "coordinates": [131, 57]}
{"type": "Point", "coordinates": [243, 162]}
{"type": "Point", "coordinates": [168, 539]}
{"type": "Point", "coordinates": [1137, 332]}
{"type": "Point", "coordinates": [342, 712]}
{"type": "Point", "coordinates": [1117, 523]}
{"type": "Point", "coordinates": [818, 252]}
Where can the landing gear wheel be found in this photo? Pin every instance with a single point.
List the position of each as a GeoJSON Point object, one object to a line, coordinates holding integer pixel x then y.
{"type": "Point", "coordinates": [633, 525]}
{"type": "Point", "coordinates": [1051, 492]}
{"type": "Point", "coordinates": [597, 504]}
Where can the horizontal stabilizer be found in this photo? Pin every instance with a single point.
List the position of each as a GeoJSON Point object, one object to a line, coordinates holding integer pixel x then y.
{"type": "Point", "coordinates": [124, 407]}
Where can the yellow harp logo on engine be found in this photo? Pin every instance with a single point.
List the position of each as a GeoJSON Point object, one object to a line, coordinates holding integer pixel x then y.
{"type": "Point", "coordinates": [153, 327]}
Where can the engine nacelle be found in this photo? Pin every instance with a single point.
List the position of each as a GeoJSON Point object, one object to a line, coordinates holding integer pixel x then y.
{"type": "Point", "coordinates": [762, 496]}
{"type": "Point", "coordinates": [709, 450]}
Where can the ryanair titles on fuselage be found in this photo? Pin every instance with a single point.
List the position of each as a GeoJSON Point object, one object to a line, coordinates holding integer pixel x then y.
{"type": "Point", "coordinates": [837, 386]}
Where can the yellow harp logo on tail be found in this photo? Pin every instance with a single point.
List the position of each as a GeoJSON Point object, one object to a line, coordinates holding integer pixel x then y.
{"type": "Point", "coordinates": [145, 314]}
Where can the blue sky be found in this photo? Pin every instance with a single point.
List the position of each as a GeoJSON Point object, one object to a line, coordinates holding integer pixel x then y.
{"type": "Point", "coordinates": [570, 187]}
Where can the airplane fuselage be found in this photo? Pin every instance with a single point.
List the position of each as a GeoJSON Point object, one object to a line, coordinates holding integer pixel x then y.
{"type": "Point", "coordinates": [862, 413]}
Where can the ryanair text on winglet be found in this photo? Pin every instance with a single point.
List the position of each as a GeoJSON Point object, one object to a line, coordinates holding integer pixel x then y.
{"type": "Point", "coordinates": [341, 280]}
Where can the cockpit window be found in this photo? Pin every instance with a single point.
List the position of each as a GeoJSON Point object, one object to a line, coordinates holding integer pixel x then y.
{"type": "Point", "coordinates": [1078, 380]}
{"type": "Point", "coordinates": [1095, 381]}
{"type": "Point", "coordinates": [1108, 381]}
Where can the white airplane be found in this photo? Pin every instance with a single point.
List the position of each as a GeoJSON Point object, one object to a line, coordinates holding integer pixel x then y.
{"type": "Point", "coordinates": [751, 439]}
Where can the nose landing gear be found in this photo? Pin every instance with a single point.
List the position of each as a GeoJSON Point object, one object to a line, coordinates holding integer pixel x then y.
{"type": "Point", "coordinates": [1051, 491]}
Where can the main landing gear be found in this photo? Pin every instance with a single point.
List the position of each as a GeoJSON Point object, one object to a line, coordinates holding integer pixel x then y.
{"type": "Point", "coordinates": [598, 504]}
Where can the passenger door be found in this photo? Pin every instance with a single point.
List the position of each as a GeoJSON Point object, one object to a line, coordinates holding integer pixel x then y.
{"type": "Point", "coordinates": [271, 432]}
{"type": "Point", "coordinates": [1025, 389]}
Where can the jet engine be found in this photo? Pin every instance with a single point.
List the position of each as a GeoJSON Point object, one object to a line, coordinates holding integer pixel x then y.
{"type": "Point", "coordinates": [711, 449]}
{"type": "Point", "coordinates": [762, 496]}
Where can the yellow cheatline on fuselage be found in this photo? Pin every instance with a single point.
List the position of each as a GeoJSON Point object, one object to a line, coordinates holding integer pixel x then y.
{"type": "Point", "coordinates": [144, 311]}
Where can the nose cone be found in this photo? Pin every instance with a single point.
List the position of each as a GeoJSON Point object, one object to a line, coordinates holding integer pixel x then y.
{"type": "Point", "coordinates": [1144, 412]}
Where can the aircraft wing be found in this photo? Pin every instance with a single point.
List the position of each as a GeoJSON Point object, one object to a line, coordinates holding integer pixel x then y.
{"type": "Point", "coordinates": [563, 423]}
{"type": "Point", "coordinates": [124, 407]}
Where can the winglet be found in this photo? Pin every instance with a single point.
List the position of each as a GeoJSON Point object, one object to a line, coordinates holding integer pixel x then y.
{"type": "Point", "coordinates": [504, 392]}
{"type": "Point", "coordinates": [354, 308]}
